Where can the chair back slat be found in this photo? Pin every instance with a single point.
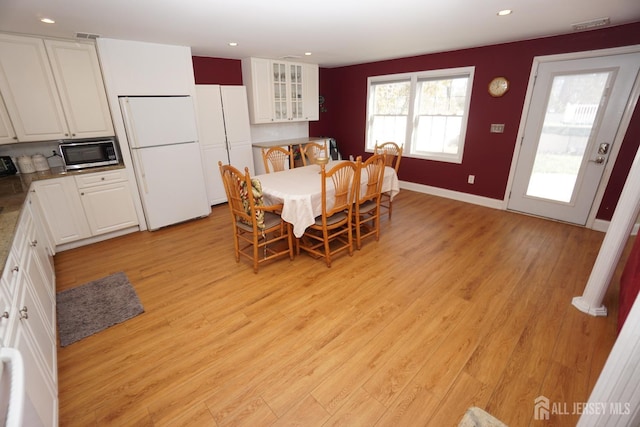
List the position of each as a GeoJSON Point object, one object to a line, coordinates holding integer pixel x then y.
{"type": "Point", "coordinates": [373, 169]}
{"type": "Point", "coordinates": [313, 150]}
{"type": "Point", "coordinates": [344, 179]}
{"type": "Point", "coordinates": [275, 159]}
{"type": "Point", "coordinates": [392, 152]}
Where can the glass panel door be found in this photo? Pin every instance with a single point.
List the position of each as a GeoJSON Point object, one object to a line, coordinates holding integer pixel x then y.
{"type": "Point", "coordinates": [569, 120]}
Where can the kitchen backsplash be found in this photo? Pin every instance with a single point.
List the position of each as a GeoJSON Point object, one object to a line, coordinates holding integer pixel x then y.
{"type": "Point", "coordinates": [45, 148]}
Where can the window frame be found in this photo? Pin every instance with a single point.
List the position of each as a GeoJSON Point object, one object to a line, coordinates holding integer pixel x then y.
{"type": "Point", "coordinates": [412, 118]}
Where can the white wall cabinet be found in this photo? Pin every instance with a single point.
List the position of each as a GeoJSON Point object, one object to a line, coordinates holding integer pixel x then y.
{"type": "Point", "coordinates": [27, 292]}
{"type": "Point", "coordinates": [281, 91]}
{"type": "Point", "coordinates": [225, 133]}
{"type": "Point", "coordinates": [52, 89]}
{"type": "Point", "coordinates": [7, 134]}
{"type": "Point", "coordinates": [76, 71]}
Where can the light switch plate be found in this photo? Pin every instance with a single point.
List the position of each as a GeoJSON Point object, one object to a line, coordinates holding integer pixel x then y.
{"type": "Point", "coordinates": [497, 127]}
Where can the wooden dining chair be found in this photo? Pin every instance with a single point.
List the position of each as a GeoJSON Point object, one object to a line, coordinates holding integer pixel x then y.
{"type": "Point", "coordinates": [393, 155]}
{"type": "Point", "coordinates": [366, 211]}
{"type": "Point", "coordinates": [312, 150]}
{"type": "Point", "coordinates": [259, 233]}
{"type": "Point", "coordinates": [277, 157]}
{"type": "Point", "coordinates": [332, 231]}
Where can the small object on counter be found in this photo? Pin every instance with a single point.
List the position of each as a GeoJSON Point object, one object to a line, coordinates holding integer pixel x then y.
{"type": "Point", "coordinates": [25, 165]}
{"type": "Point", "coordinates": [40, 162]}
{"type": "Point", "coordinates": [7, 167]}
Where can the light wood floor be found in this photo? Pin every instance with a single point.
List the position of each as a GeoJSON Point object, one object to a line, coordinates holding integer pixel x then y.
{"type": "Point", "coordinates": [457, 305]}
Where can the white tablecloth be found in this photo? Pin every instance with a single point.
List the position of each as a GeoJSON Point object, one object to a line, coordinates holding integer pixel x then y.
{"type": "Point", "coordinates": [300, 191]}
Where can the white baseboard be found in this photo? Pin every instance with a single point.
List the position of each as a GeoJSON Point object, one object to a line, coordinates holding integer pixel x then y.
{"type": "Point", "coordinates": [455, 195]}
{"type": "Point", "coordinates": [598, 225]}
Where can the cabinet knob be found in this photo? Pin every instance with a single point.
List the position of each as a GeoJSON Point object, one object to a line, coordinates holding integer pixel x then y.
{"type": "Point", "coordinates": [5, 315]}
{"type": "Point", "coordinates": [34, 243]}
{"type": "Point", "coordinates": [23, 313]}
{"type": "Point", "coordinates": [15, 269]}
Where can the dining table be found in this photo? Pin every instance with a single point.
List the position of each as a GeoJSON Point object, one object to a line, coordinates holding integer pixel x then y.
{"type": "Point", "coordinates": [299, 190]}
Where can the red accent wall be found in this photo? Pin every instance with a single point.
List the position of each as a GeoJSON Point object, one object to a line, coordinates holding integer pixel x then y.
{"type": "Point", "coordinates": [217, 71]}
{"type": "Point", "coordinates": [487, 156]}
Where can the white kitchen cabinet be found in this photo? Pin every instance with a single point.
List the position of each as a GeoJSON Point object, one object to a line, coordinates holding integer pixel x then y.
{"type": "Point", "coordinates": [89, 205]}
{"type": "Point", "coordinates": [29, 91]}
{"type": "Point", "coordinates": [106, 199]}
{"type": "Point", "coordinates": [63, 209]}
{"type": "Point", "coordinates": [29, 318]}
{"type": "Point", "coordinates": [281, 91]}
{"type": "Point", "coordinates": [225, 133]}
{"type": "Point", "coordinates": [52, 91]}
{"type": "Point", "coordinates": [7, 134]}
{"type": "Point", "coordinates": [139, 68]}
{"type": "Point", "coordinates": [76, 71]}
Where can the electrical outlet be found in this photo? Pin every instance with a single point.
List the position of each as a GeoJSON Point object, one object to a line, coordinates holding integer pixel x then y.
{"type": "Point", "coordinates": [471, 179]}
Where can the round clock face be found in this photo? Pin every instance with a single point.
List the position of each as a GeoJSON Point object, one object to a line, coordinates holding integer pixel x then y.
{"type": "Point", "coordinates": [498, 86]}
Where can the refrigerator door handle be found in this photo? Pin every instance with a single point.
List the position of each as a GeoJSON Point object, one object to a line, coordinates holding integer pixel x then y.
{"type": "Point", "coordinates": [139, 165]}
{"type": "Point", "coordinates": [128, 121]}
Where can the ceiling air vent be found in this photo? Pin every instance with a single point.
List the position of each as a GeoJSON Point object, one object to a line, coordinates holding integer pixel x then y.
{"type": "Point", "coordinates": [590, 24]}
{"type": "Point", "coordinates": [287, 57]}
{"type": "Point", "coordinates": [87, 36]}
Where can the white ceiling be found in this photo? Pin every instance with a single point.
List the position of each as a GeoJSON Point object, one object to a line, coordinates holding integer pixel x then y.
{"type": "Point", "coordinates": [337, 32]}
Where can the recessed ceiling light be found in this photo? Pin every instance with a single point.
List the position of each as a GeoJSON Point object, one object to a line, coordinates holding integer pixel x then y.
{"type": "Point", "coordinates": [47, 21]}
{"type": "Point", "coordinates": [307, 53]}
{"type": "Point", "coordinates": [233, 44]}
{"type": "Point", "coordinates": [505, 12]}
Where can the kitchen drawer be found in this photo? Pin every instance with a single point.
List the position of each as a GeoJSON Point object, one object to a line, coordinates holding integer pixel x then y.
{"type": "Point", "coordinates": [100, 178]}
{"type": "Point", "coordinates": [10, 274]}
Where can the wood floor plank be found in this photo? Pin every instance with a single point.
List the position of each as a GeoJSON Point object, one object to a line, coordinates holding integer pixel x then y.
{"type": "Point", "coordinates": [456, 305]}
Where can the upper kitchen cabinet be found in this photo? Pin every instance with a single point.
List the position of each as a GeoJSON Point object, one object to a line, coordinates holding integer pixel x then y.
{"type": "Point", "coordinates": [7, 134]}
{"type": "Point", "coordinates": [148, 69]}
{"type": "Point", "coordinates": [52, 91]}
{"type": "Point", "coordinates": [281, 91]}
{"type": "Point", "coordinates": [78, 77]}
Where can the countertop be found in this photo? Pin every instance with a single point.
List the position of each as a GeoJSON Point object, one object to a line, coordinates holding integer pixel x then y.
{"type": "Point", "coordinates": [13, 192]}
{"type": "Point", "coordinates": [283, 142]}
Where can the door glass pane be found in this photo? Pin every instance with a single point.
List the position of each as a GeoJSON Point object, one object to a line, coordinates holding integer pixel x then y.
{"type": "Point", "coordinates": [568, 123]}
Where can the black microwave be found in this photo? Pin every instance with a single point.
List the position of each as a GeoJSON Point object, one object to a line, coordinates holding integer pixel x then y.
{"type": "Point", "coordinates": [90, 153]}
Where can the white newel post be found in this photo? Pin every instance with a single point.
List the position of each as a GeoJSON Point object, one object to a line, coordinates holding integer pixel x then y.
{"type": "Point", "coordinates": [614, 242]}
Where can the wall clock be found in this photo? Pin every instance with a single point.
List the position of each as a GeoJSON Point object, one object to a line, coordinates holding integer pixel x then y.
{"type": "Point", "coordinates": [498, 86]}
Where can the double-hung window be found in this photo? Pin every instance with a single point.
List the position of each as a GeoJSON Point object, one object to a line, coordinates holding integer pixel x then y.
{"type": "Point", "coordinates": [425, 111]}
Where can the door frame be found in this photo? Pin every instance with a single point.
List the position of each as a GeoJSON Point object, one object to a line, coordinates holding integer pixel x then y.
{"type": "Point", "coordinates": [616, 143]}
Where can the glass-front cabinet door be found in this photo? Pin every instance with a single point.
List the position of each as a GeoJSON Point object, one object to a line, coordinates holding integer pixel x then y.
{"type": "Point", "coordinates": [280, 96]}
{"type": "Point", "coordinates": [295, 71]}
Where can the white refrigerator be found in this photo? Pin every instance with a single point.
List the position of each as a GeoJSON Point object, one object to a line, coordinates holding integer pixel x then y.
{"type": "Point", "coordinates": [163, 140]}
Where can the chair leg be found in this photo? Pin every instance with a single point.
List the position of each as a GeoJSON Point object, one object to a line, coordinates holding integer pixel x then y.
{"type": "Point", "coordinates": [327, 249]}
{"type": "Point", "coordinates": [390, 208]}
